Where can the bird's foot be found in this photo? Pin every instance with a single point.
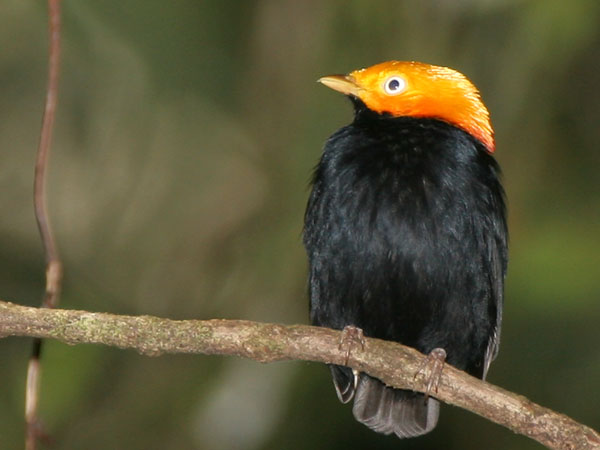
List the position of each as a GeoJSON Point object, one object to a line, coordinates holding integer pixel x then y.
{"type": "Point", "coordinates": [351, 336]}
{"type": "Point", "coordinates": [434, 365]}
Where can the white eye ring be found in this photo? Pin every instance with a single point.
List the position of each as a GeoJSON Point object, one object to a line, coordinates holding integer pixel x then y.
{"type": "Point", "coordinates": [394, 85]}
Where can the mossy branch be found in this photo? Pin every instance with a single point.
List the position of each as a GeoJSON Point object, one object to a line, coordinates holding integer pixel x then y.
{"type": "Point", "coordinates": [393, 363]}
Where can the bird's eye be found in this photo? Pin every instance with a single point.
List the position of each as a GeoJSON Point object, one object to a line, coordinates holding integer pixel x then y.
{"type": "Point", "coordinates": [394, 85]}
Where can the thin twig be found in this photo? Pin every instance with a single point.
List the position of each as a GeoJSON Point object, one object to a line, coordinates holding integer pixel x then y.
{"type": "Point", "coordinates": [41, 165]}
{"type": "Point", "coordinates": [390, 362]}
{"type": "Point", "coordinates": [53, 264]}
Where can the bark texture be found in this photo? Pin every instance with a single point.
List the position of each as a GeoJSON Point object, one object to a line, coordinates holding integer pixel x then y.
{"type": "Point", "coordinates": [394, 364]}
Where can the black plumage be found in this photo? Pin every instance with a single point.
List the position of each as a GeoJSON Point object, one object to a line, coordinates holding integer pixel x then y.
{"type": "Point", "coordinates": [406, 236]}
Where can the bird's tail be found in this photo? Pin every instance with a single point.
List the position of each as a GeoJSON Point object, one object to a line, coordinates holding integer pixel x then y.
{"type": "Point", "coordinates": [388, 410]}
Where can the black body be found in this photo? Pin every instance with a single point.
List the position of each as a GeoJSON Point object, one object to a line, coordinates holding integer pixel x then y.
{"type": "Point", "coordinates": [406, 236]}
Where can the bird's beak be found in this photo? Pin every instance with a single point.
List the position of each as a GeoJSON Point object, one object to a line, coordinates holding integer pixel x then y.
{"type": "Point", "coordinates": [346, 84]}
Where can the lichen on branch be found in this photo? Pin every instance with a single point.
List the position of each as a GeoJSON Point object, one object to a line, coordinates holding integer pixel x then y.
{"type": "Point", "coordinates": [394, 364]}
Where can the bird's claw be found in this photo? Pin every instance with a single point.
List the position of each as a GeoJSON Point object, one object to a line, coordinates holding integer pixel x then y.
{"type": "Point", "coordinates": [351, 336]}
{"type": "Point", "coordinates": [435, 364]}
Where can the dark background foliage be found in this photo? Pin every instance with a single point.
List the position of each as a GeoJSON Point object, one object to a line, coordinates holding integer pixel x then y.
{"type": "Point", "coordinates": [185, 137]}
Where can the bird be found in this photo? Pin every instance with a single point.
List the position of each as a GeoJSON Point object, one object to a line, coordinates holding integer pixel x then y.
{"type": "Point", "coordinates": [405, 231]}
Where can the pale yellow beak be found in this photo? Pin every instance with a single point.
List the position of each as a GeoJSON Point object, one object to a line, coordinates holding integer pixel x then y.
{"type": "Point", "coordinates": [346, 84]}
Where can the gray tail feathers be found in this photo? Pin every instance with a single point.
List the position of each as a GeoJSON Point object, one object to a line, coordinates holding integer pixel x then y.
{"type": "Point", "coordinates": [384, 409]}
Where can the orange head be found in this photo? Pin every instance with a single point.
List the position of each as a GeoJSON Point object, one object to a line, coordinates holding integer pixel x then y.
{"type": "Point", "coordinates": [406, 88]}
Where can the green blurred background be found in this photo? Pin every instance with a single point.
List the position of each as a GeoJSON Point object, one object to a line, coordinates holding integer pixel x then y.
{"type": "Point", "coordinates": [185, 137]}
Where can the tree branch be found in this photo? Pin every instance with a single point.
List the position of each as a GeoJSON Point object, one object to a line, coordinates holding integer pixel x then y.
{"type": "Point", "coordinates": [392, 363]}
